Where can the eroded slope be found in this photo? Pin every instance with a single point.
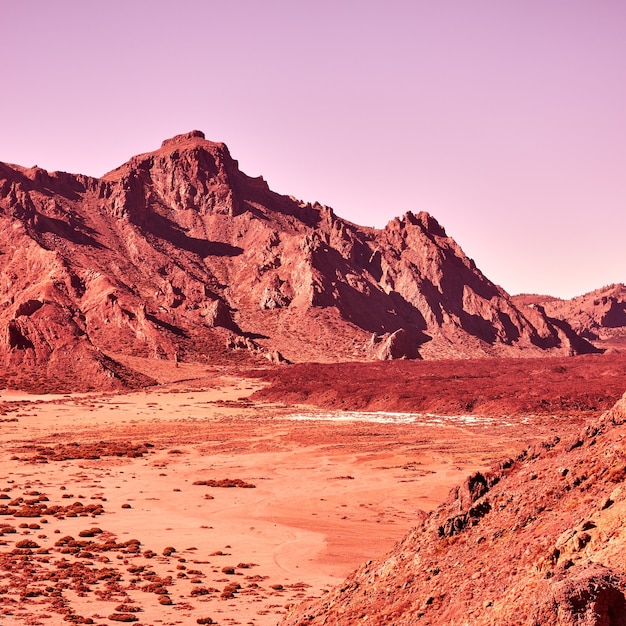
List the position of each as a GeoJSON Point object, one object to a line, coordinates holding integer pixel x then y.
{"type": "Point", "coordinates": [540, 539]}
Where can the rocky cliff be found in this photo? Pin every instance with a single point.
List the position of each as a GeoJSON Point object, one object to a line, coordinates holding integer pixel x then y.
{"type": "Point", "coordinates": [179, 255]}
{"type": "Point", "coordinates": [599, 316]}
{"type": "Point", "coordinates": [538, 540]}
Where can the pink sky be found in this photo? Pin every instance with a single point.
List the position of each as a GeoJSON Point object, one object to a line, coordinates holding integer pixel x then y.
{"type": "Point", "coordinates": [504, 119]}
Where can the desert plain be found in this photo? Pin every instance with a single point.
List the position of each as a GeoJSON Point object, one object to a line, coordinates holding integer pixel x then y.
{"type": "Point", "coordinates": [228, 496]}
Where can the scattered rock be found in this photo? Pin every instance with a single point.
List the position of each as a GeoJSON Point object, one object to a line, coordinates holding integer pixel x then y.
{"type": "Point", "coordinates": [225, 483]}
{"type": "Point", "coordinates": [123, 617]}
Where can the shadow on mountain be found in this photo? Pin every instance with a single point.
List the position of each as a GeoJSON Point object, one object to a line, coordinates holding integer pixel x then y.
{"type": "Point", "coordinates": [176, 330]}
{"type": "Point", "coordinates": [166, 230]}
{"type": "Point", "coordinates": [58, 227]}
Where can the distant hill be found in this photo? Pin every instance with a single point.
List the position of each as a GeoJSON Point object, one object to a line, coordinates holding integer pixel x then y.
{"type": "Point", "coordinates": [179, 255]}
{"type": "Point", "coordinates": [599, 316]}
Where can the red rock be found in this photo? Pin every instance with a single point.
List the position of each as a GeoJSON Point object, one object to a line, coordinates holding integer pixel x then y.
{"type": "Point", "coordinates": [599, 316]}
{"type": "Point", "coordinates": [123, 617]}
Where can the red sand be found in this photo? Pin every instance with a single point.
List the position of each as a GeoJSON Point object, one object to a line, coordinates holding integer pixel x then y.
{"type": "Point", "coordinates": [327, 495]}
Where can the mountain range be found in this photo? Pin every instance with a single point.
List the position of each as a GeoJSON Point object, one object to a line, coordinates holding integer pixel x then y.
{"type": "Point", "coordinates": [179, 255]}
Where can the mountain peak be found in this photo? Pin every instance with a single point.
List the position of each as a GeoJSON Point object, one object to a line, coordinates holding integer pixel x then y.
{"type": "Point", "coordinates": [197, 152]}
{"type": "Point", "coordinates": [189, 141]}
{"type": "Point", "coordinates": [184, 138]}
{"type": "Point", "coordinates": [193, 142]}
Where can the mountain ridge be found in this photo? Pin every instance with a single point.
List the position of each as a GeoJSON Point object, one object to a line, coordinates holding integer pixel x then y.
{"type": "Point", "coordinates": [177, 254]}
{"type": "Point", "coordinates": [599, 315]}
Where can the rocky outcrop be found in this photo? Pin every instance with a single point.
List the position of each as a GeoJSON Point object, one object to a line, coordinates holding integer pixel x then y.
{"type": "Point", "coordinates": [538, 540]}
{"type": "Point", "coordinates": [176, 251]}
{"type": "Point", "coordinates": [599, 316]}
{"type": "Point", "coordinates": [391, 346]}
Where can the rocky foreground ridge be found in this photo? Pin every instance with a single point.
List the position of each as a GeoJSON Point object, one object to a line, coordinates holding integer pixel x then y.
{"type": "Point", "coordinates": [179, 255]}
{"type": "Point", "coordinates": [541, 539]}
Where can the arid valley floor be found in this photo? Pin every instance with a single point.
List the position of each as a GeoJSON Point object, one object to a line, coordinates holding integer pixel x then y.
{"type": "Point", "coordinates": [208, 498]}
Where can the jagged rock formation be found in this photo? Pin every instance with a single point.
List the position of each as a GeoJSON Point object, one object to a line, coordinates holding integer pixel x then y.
{"type": "Point", "coordinates": [179, 255]}
{"type": "Point", "coordinates": [599, 316]}
{"type": "Point", "coordinates": [538, 540]}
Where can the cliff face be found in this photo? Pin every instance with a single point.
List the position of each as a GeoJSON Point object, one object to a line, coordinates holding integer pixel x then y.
{"type": "Point", "coordinates": [538, 540]}
{"type": "Point", "coordinates": [179, 255]}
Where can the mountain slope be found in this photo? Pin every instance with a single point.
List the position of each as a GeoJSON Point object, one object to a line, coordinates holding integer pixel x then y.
{"type": "Point", "coordinates": [599, 316]}
{"type": "Point", "coordinates": [539, 540]}
{"type": "Point", "coordinates": [179, 255]}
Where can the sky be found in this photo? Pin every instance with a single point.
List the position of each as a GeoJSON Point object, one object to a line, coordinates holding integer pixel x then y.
{"type": "Point", "coordinates": [505, 119]}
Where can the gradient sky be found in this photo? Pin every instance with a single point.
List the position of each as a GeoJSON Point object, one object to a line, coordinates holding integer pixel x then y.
{"type": "Point", "coordinates": [504, 119]}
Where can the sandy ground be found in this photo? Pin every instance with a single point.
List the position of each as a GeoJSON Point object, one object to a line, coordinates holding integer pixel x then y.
{"type": "Point", "coordinates": [81, 476]}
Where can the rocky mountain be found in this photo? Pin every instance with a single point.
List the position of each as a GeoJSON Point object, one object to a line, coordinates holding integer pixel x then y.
{"type": "Point", "coordinates": [179, 255]}
{"type": "Point", "coordinates": [599, 316]}
{"type": "Point", "coordinates": [538, 540]}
